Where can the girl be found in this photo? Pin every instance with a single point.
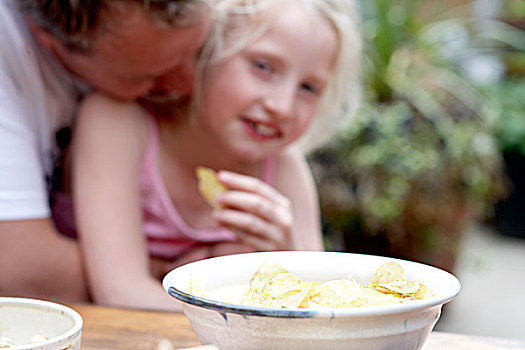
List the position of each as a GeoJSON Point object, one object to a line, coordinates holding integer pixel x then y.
{"type": "Point", "coordinates": [264, 77]}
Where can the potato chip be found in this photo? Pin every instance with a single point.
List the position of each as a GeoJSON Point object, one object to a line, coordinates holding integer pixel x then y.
{"type": "Point", "coordinates": [164, 344]}
{"type": "Point", "coordinates": [254, 298]}
{"type": "Point", "coordinates": [38, 338]}
{"type": "Point", "coordinates": [336, 293]}
{"type": "Point", "coordinates": [387, 272]}
{"type": "Point", "coordinates": [209, 185]}
{"type": "Point", "coordinates": [400, 289]}
{"type": "Point", "coordinates": [404, 289]}
{"type": "Point", "coordinates": [424, 292]}
{"type": "Point", "coordinates": [285, 290]}
{"type": "Point", "coordinates": [265, 272]}
{"type": "Point", "coordinates": [6, 342]}
{"type": "Point", "coordinates": [195, 287]}
{"type": "Point", "coordinates": [347, 293]}
{"type": "Point", "coordinates": [372, 297]}
{"type": "Point", "coordinates": [273, 286]}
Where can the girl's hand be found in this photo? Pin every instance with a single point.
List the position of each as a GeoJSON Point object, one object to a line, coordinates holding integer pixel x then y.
{"type": "Point", "coordinates": [259, 214]}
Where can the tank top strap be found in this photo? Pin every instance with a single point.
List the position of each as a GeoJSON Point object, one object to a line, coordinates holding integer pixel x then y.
{"type": "Point", "coordinates": [153, 143]}
{"type": "Point", "coordinates": [269, 167]}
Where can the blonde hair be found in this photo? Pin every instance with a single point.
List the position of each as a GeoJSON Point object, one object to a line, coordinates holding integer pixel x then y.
{"type": "Point", "coordinates": [238, 26]}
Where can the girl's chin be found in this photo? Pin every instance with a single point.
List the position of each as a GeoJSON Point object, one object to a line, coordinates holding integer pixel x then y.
{"type": "Point", "coordinates": [248, 155]}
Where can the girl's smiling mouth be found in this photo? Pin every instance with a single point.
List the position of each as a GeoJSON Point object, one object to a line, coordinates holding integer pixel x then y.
{"type": "Point", "coordinates": [261, 130]}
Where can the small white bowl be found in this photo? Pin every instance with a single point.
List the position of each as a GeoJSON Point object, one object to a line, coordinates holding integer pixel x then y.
{"type": "Point", "coordinates": [231, 326]}
{"type": "Point", "coordinates": [21, 319]}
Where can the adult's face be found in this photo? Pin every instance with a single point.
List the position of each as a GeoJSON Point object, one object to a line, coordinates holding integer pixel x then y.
{"type": "Point", "coordinates": [135, 56]}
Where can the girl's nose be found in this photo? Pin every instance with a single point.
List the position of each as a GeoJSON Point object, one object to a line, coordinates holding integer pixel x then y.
{"type": "Point", "coordinates": [280, 102]}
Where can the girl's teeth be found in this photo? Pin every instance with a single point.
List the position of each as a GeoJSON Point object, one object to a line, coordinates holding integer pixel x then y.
{"type": "Point", "coordinates": [264, 130]}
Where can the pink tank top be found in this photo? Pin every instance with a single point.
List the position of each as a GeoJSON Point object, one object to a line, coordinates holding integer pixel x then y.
{"type": "Point", "coordinates": [168, 235]}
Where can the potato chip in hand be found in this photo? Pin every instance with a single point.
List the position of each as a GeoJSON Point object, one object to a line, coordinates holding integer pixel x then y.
{"type": "Point", "coordinates": [209, 185]}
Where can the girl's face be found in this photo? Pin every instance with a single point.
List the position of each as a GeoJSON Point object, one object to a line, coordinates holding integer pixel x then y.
{"type": "Point", "coordinates": [265, 96]}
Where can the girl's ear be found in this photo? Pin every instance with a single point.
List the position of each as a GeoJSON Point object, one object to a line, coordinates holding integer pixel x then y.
{"type": "Point", "coordinates": [43, 37]}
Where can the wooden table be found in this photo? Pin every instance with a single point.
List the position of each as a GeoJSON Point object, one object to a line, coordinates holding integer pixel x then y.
{"type": "Point", "coordinates": [124, 329]}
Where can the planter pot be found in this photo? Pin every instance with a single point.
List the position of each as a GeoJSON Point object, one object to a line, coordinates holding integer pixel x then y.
{"type": "Point", "coordinates": [509, 218]}
{"type": "Point", "coordinates": [429, 231]}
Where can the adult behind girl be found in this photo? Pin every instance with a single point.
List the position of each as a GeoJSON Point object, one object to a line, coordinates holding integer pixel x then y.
{"type": "Point", "coordinates": [272, 72]}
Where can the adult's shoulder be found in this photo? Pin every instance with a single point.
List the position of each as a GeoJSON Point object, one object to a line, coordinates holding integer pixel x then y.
{"type": "Point", "coordinates": [16, 42]}
{"type": "Point", "coordinates": [11, 20]}
{"type": "Point", "coordinates": [33, 83]}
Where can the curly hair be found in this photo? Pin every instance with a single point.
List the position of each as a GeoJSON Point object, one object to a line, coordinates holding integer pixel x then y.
{"type": "Point", "coordinates": [73, 22]}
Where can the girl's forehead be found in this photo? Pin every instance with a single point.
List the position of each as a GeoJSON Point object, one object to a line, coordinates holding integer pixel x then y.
{"type": "Point", "coordinates": [248, 26]}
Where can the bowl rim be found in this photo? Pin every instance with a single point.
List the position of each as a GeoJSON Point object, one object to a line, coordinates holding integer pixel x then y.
{"type": "Point", "coordinates": [60, 339]}
{"type": "Point", "coordinates": [365, 311]}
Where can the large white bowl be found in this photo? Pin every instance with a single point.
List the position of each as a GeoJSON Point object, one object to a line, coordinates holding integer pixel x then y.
{"type": "Point", "coordinates": [22, 318]}
{"type": "Point", "coordinates": [231, 326]}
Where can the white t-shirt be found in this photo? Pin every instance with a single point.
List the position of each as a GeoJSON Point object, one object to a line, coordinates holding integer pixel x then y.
{"type": "Point", "coordinates": [37, 97]}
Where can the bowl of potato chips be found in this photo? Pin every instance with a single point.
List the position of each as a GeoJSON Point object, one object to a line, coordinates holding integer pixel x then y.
{"type": "Point", "coordinates": [311, 300]}
{"type": "Point", "coordinates": [32, 324]}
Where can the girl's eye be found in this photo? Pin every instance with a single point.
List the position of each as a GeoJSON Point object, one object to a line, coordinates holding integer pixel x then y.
{"type": "Point", "coordinates": [263, 66]}
{"type": "Point", "coordinates": [311, 89]}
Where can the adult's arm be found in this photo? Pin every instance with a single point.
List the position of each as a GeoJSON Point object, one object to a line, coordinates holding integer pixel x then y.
{"type": "Point", "coordinates": [35, 261]}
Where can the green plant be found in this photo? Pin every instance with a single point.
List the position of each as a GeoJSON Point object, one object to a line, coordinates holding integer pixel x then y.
{"type": "Point", "coordinates": [419, 160]}
{"type": "Point", "coordinates": [508, 99]}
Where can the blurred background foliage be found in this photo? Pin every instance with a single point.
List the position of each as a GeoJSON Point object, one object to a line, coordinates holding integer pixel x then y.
{"type": "Point", "coordinates": [443, 97]}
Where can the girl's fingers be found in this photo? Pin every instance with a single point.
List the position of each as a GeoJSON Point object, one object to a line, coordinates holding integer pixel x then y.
{"type": "Point", "coordinates": [255, 242]}
{"type": "Point", "coordinates": [280, 215]}
{"type": "Point", "coordinates": [245, 225]}
{"type": "Point", "coordinates": [259, 214]}
{"type": "Point", "coordinates": [251, 184]}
